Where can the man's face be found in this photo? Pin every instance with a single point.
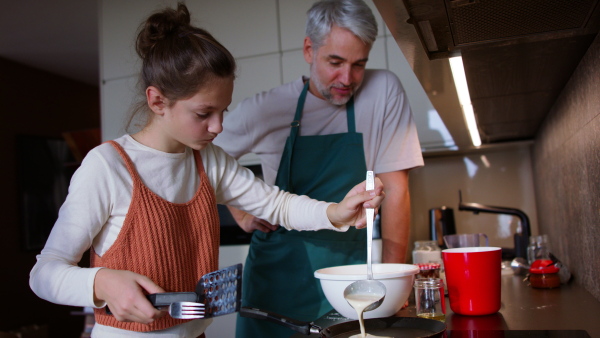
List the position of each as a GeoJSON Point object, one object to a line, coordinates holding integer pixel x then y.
{"type": "Point", "coordinates": [337, 68]}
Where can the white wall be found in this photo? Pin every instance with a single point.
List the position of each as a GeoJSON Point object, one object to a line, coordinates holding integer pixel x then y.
{"type": "Point", "coordinates": [266, 38]}
{"type": "Point", "coordinates": [499, 177]}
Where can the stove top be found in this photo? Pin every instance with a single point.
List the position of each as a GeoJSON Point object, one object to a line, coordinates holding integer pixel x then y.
{"type": "Point", "coordinates": [334, 317]}
{"type": "Point", "coordinates": [517, 334]}
{"type": "Point", "coordinates": [502, 334]}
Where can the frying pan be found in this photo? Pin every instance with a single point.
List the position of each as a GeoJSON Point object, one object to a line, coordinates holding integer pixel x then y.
{"type": "Point", "coordinates": [396, 327]}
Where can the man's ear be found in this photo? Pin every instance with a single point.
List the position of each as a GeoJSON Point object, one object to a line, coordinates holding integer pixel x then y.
{"type": "Point", "coordinates": [156, 101]}
{"type": "Point", "coordinates": [308, 50]}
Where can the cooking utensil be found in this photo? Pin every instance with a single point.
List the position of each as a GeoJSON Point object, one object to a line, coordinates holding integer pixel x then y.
{"type": "Point", "coordinates": [441, 223]}
{"type": "Point", "coordinates": [219, 291]}
{"type": "Point", "coordinates": [405, 327]}
{"type": "Point", "coordinates": [519, 266]}
{"type": "Point", "coordinates": [564, 273]}
{"type": "Point", "coordinates": [397, 278]}
{"type": "Point", "coordinates": [466, 240]}
{"type": "Point", "coordinates": [186, 310]}
{"type": "Point", "coordinates": [370, 286]}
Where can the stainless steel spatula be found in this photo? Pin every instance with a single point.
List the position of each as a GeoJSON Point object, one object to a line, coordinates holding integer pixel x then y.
{"type": "Point", "coordinates": [220, 291]}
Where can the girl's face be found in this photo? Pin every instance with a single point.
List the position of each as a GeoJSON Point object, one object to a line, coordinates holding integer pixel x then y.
{"type": "Point", "coordinates": [196, 121]}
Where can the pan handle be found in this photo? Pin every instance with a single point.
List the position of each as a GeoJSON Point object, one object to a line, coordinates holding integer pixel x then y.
{"type": "Point", "coordinates": [296, 325]}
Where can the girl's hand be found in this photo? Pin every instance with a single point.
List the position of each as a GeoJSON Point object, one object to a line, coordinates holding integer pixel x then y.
{"type": "Point", "coordinates": [123, 292]}
{"type": "Point", "coordinates": [351, 210]}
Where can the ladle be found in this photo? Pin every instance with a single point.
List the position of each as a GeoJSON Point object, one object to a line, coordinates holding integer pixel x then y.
{"type": "Point", "coordinates": [519, 266]}
{"type": "Point", "coordinates": [369, 287]}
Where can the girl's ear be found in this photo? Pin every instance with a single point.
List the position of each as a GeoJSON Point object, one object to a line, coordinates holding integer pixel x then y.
{"type": "Point", "coordinates": [156, 101]}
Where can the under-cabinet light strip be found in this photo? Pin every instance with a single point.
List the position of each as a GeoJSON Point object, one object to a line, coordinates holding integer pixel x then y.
{"type": "Point", "coordinates": [460, 81]}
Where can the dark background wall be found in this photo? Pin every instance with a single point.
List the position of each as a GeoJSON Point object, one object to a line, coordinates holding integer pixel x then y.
{"type": "Point", "coordinates": [33, 103]}
{"type": "Point", "coordinates": [567, 173]}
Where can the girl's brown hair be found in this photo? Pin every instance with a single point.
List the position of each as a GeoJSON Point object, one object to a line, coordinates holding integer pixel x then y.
{"type": "Point", "coordinates": [178, 58]}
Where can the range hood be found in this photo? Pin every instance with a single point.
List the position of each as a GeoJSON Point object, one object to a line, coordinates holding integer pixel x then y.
{"type": "Point", "coordinates": [518, 56]}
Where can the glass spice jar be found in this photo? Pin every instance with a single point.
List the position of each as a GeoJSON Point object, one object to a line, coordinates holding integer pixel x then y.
{"type": "Point", "coordinates": [426, 252]}
{"type": "Point", "coordinates": [429, 298]}
{"type": "Point", "coordinates": [539, 248]}
{"type": "Point", "coordinates": [543, 274]}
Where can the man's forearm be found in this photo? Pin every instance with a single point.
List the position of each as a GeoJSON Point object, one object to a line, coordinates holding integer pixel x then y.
{"type": "Point", "coordinates": [237, 214]}
{"type": "Point", "coordinates": [395, 217]}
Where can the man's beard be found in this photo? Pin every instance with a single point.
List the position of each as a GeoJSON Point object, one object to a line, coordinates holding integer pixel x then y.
{"type": "Point", "coordinates": [326, 91]}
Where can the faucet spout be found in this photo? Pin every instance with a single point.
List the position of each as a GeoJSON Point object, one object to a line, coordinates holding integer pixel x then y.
{"type": "Point", "coordinates": [521, 240]}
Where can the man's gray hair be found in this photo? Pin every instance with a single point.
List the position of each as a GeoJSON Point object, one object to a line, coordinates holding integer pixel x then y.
{"type": "Point", "coordinates": [354, 15]}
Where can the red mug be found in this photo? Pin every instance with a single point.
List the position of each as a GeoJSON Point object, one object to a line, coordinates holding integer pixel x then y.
{"type": "Point", "coordinates": [473, 279]}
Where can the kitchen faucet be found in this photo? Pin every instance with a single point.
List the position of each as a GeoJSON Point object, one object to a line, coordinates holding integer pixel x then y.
{"type": "Point", "coordinates": [521, 240]}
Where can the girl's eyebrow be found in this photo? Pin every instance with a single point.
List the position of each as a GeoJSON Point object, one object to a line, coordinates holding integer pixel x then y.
{"type": "Point", "coordinates": [203, 106]}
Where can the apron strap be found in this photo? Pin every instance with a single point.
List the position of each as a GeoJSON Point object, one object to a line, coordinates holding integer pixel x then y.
{"type": "Point", "coordinates": [350, 115]}
{"type": "Point", "coordinates": [295, 125]}
{"type": "Point", "coordinates": [286, 158]}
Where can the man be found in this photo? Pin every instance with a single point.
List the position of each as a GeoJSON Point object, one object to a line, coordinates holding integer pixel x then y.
{"type": "Point", "coordinates": [317, 137]}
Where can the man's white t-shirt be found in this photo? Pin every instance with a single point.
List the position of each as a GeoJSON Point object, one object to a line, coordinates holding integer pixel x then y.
{"type": "Point", "coordinates": [261, 124]}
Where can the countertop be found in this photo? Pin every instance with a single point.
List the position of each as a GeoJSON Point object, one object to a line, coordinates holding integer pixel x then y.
{"type": "Point", "coordinates": [524, 308]}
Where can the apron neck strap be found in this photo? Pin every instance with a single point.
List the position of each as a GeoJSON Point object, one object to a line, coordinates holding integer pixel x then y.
{"type": "Point", "coordinates": [350, 115]}
{"type": "Point", "coordinates": [286, 158]}
{"type": "Point", "coordinates": [300, 104]}
{"type": "Point", "coordinates": [295, 125]}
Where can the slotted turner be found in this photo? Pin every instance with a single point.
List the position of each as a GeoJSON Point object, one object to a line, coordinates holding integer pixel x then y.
{"type": "Point", "coordinates": [219, 291]}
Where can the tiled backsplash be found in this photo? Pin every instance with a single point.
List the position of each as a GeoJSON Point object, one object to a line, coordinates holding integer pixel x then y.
{"type": "Point", "coordinates": [567, 173]}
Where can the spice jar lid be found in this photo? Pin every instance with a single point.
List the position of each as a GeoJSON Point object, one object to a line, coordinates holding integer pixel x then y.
{"type": "Point", "coordinates": [428, 266]}
{"type": "Point", "coordinates": [543, 266]}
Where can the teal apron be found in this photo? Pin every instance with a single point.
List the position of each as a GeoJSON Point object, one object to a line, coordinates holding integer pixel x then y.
{"type": "Point", "coordinates": [279, 269]}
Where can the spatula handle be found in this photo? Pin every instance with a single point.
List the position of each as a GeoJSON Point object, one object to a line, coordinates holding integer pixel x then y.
{"type": "Point", "coordinates": [166, 298]}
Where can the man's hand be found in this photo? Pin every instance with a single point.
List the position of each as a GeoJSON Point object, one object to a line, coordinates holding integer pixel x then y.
{"type": "Point", "coordinates": [249, 223]}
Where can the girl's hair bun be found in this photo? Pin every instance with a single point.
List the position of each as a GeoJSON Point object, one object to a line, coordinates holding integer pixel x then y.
{"type": "Point", "coordinates": [161, 26]}
{"type": "Point", "coordinates": [178, 58]}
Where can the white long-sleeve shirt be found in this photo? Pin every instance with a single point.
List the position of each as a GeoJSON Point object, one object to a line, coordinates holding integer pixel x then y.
{"type": "Point", "coordinates": [99, 198]}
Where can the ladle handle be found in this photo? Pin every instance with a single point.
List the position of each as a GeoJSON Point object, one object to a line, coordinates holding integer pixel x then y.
{"type": "Point", "coordinates": [370, 215]}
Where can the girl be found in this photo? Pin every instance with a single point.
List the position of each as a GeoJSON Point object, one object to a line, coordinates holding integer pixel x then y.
{"type": "Point", "coordinates": [145, 203]}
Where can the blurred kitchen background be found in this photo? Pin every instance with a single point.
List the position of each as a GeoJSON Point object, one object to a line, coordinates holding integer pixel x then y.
{"type": "Point", "coordinates": [68, 74]}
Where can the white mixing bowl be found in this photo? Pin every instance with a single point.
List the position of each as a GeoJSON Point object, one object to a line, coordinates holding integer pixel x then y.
{"type": "Point", "coordinates": [397, 278]}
